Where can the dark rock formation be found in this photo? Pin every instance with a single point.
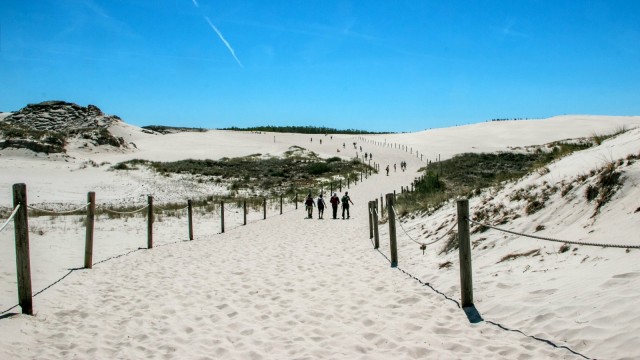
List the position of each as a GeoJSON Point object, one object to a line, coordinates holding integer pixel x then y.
{"type": "Point", "coordinates": [60, 116]}
{"type": "Point", "coordinates": [46, 127]}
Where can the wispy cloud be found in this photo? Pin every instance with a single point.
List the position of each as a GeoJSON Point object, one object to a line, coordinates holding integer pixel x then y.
{"type": "Point", "coordinates": [226, 43]}
{"type": "Point", "coordinates": [195, 3]}
{"type": "Point", "coordinates": [508, 30]}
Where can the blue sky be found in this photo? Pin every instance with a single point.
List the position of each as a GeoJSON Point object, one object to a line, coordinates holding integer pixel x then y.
{"type": "Point", "coordinates": [377, 65]}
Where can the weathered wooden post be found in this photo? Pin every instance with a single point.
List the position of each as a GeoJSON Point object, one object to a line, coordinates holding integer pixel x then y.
{"type": "Point", "coordinates": [149, 222]}
{"type": "Point", "coordinates": [370, 208]}
{"type": "Point", "coordinates": [381, 204]}
{"type": "Point", "coordinates": [376, 235]}
{"type": "Point", "coordinates": [222, 217]}
{"type": "Point", "coordinates": [331, 187]}
{"type": "Point", "coordinates": [340, 185]}
{"type": "Point", "coordinates": [190, 216]}
{"type": "Point", "coordinates": [281, 204]}
{"type": "Point", "coordinates": [244, 211]}
{"type": "Point", "coordinates": [392, 230]}
{"type": "Point", "coordinates": [23, 264]}
{"type": "Point", "coordinates": [466, 281]}
{"type": "Point", "coordinates": [264, 208]}
{"type": "Point", "coordinates": [88, 241]}
{"type": "Point", "coordinates": [296, 201]}
{"type": "Point", "coordinates": [348, 185]}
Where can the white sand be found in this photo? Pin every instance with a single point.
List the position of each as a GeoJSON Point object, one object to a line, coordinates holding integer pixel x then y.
{"type": "Point", "coordinates": [289, 287]}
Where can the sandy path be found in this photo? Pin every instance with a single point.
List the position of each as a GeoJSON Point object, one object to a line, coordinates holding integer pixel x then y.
{"type": "Point", "coordinates": [287, 287]}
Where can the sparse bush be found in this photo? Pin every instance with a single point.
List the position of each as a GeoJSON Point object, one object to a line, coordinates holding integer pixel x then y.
{"type": "Point", "coordinates": [591, 192]}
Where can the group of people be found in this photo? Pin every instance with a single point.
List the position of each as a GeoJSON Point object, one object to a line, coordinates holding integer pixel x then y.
{"type": "Point", "coordinates": [334, 201]}
{"type": "Point", "coordinates": [403, 167]}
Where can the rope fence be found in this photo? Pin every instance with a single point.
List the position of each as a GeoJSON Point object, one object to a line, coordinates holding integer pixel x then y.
{"type": "Point", "coordinates": [553, 239]}
{"type": "Point", "coordinates": [19, 216]}
{"type": "Point", "coordinates": [13, 214]}
{"type": "Point", "coordinates": [106, 209]}
{"type": "Point", "coordinates": [464, 248]}
{"type": "Point", "coordinates": [159, 209]}
{"type": "Point", "coordinates": [423, 244]}
{"type": "Point", "coordinates": [58, 212]}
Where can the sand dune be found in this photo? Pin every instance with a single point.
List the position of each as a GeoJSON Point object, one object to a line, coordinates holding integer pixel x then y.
{"type": "Point", "coordinates": [290, 287]}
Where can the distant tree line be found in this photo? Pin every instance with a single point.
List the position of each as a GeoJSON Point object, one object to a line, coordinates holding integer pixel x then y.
{"type": "Point", "coordinates": [507, 119]}
{"type": "Point", "coordinates": [303, 130]}
{"type": "Point", "coordinates": [163, 129]}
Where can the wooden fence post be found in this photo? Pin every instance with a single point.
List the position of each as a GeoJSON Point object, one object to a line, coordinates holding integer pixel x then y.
{"type": "Point", "coordinates": [280, 204]}
{"type": "Point", "coordinates": [264, 208]}
{"type": "Point", "coordinates": [88, 241]}
{"type": "Point", "coordinates": [370, 207]}
{"type": "Point", "coordinates": [392, 230]}
{"type": "Point", "coordinates": [150, 222]}
{"type": "Point", "coordinates": [340, 185]}
{"type": "Point", "coordinates": [381, 204]}
{"type": "Point", "coordinates": [23, 264]}
{"type": "Point", "coordinates": [331, 187]}
{"type": "Point", "coordinates": [466, 281]}
{"type": "Point", "coordinates": [376, 235]}
{"type": "Point", "coordinates": [244, 211]}
{"type": "Point", "coordinates": [190, 215]}
{"type": "Point", "coordinates": [222, 217]}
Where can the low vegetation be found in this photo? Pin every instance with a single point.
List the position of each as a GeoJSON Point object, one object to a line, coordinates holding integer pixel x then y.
{"type": "Point", "coordinates": [299, 171]}
{"type": "Point", "coordinates": [466, 174]}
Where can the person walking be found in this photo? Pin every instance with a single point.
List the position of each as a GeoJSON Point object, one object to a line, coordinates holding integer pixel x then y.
{"type": "Point", "coordinates": [345, 204]}
{"type": "Point", "coordinates": [335, 200]}
{"type": "Point", "coordinates": [310, 205]}
{"type": "Point", "coordinates": [387, 170]}
{"type": "Point", "coordinates": [321, 206]}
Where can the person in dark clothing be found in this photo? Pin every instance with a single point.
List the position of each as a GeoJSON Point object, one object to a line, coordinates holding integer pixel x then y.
{"type": "Point", "coordinates": [335, 200]}
{"type": "Point", "coordinates": [345, 204]}
{"type": "Point", "coordinates": [310, 205]}
{"type": "Point", "coordinates": [321, 206]}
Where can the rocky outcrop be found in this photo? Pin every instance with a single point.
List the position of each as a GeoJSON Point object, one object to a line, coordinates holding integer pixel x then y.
{"type": "Point", "coordinates": [47, 127]}
{"type": "Point", "coordinates": [60, 116]}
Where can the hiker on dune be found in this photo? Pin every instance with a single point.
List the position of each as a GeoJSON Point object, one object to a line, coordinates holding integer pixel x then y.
{"type": "Point", "coordinates": [321, 206]}
{"type": "Point", "coordinates": [335, 200]}
{"type": "Point", "coordinates": [310, 205]}
{"type": "Point", "coordinates": [345, 204]}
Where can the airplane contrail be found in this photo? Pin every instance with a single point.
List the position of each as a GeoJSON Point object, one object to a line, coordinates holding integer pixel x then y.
{"type": "Point", "coordinates": [224, 41]}
{"type": "Point", "coordinates": [195, 3]}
